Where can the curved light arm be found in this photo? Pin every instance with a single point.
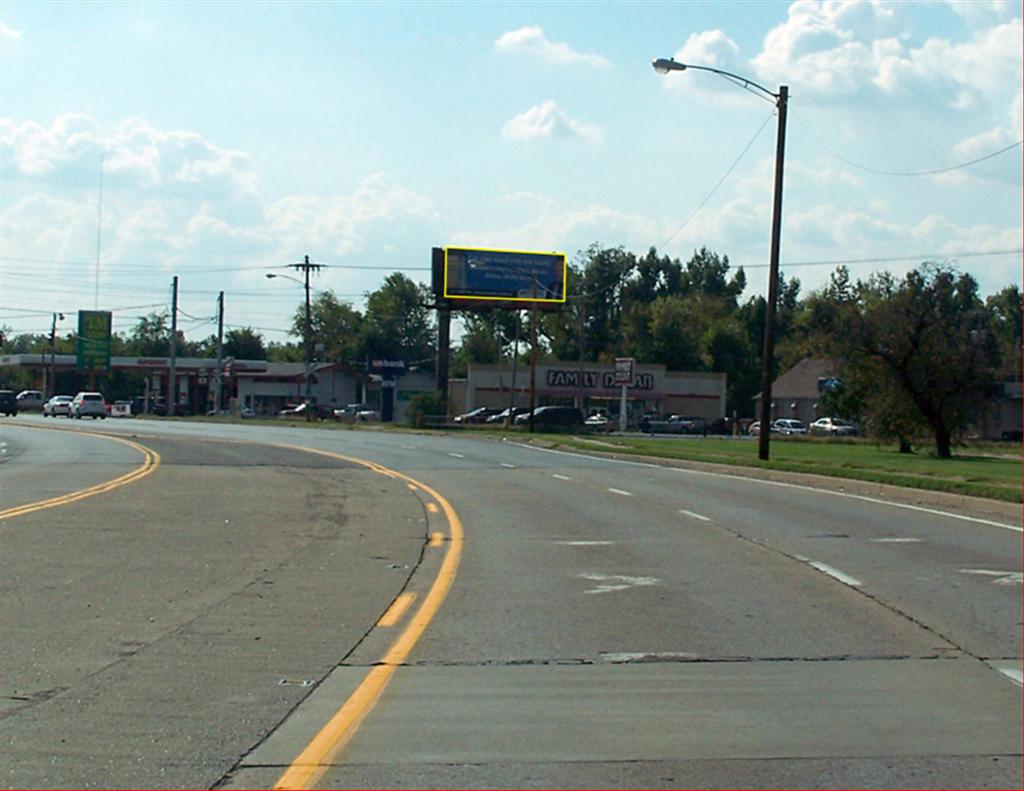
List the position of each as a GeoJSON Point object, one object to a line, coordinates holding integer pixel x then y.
{"type": "Point", "coordinates": [665, 65]}
{"type": "Point", "coordinates": [272, 275]}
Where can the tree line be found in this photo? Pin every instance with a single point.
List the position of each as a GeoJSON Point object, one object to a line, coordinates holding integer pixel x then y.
{"type": "Point", "coordinates": [920, 354]}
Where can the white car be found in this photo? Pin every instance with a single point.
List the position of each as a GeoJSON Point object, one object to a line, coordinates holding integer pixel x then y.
{"type": "Point", "coordinates": [58, 405]}
{"type": "Point", "coordinates": [785, 425]}
{"type": "Point", "coordinates": [89, 404]}
{"type": "Point", "coordinates": [833, 427]}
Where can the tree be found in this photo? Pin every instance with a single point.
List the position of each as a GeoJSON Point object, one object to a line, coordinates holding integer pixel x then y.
{"type": "Point", "coordinates": [151, 336]}
{"type": "Point", "coordinates": [921, 352]}
{"type": "Point", "coordinates": [244, 343]}
{"type": "Point", "coordinates": [335, 324]}
{"type": "Point", "coordinates": [398, 324]}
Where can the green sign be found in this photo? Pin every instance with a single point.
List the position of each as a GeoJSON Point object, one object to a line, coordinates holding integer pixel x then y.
{"type": "Point", "coordinates": [93, 340]}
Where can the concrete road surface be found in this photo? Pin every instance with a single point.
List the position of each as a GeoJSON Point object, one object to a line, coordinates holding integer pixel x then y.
{"type": "Point", "coordinates": [604, 624]}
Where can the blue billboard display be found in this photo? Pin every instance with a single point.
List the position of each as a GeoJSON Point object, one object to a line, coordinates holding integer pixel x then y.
{"type": "Point", "coordinates": [484, 274]}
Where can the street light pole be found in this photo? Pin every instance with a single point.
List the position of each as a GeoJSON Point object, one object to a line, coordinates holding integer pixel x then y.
{"type": "Point", "coordinates": [781, 102]}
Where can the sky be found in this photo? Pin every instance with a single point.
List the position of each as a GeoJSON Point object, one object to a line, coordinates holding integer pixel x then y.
{"type": "Point", "coordinates": [221, 141]}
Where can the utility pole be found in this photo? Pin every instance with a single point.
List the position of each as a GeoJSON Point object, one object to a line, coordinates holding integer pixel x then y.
{"type": "Point", "coordinates": [511, 419]}
{"type": "Point", "coordinates": [444, 342]}
{"type": "Point", "coordinates": [306, 267]}
{"type": "Point", "coordinates": [218, 382]}
{"type": "Point", "coordinates": [580, 310]}
{"type": "Point", "coordinates": [782, 100]}
{"type": "Point", "coordinates": [172, 385]}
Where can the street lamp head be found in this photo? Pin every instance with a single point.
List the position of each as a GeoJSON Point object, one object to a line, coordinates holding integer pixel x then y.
{"type": "Point", "coordinates": [270, 275]}
{"type": "Point", "coordinates": [665, 65]}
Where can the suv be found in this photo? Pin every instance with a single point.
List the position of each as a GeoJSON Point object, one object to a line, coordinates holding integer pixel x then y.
{"type": "Point", "coordinates": [8, 403]}
{"type": "Point", "coordinates": [91, 404]}
{"type": "Point", "coordinates": [30, 399]}
{"type": "Point", "coordinates": [553, 417]}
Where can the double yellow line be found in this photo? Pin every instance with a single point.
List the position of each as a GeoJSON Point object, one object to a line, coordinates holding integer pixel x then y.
{"type": "Point", "coordinates": [151, 460]}
{"type": "Point", "coordinates": [316, 758]}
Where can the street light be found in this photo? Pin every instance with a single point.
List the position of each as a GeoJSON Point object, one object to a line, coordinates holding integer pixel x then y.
{"type": "Point", "coordinates": [50, 383]}
{"type": "Point", "coordinates": [780, 100]}
{"type": "Point", "coordinates": [306, 267]}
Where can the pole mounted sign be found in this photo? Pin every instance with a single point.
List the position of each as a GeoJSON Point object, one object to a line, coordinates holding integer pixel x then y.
{"type": "Point", "coordinates": [625, 367]}
{"type": "Point", "coordinates": [93, 348]}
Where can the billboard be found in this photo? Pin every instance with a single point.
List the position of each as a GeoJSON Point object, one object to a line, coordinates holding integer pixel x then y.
{"type": "Point", "coordinates": [93, 348]}
{"type": "Point", "coordinates": [477, 274]}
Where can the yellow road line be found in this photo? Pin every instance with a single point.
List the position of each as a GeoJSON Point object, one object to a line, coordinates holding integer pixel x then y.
{"type": "Point", "coordinates": [397, 609]}
{"type": "Point", "coordinates": [432, 507]}
{"type": "Point", "coordinates": [316, 758]}
{"type": "Point", "coordinates": [151, 460]}
{"type": "Point", "coordinates": [436, 540]}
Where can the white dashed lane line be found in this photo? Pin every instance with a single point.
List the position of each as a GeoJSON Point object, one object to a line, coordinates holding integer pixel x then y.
{"type": "Point", "coordinates": [832, 571]}
{"type": "Point", "coordinates": [896, 540]}
{"type": "Point", "coordinates": [456, 455]}
{"type": "Point", "coordinates": [692, 515]}
{"type": "Point", "coordinates": [508, 466]}
{"type": "Point", "coordinates": [561, 477]}
{"type": "Point", "coordinates": [623, 492]}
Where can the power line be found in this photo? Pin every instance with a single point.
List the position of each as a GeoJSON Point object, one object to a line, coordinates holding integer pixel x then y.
{"type": "Point", "coordinates": [890, 259]}
{"type": "Point", "coordinates": [880, 172]}
{"type": "Point", "coordinates": [714, 189]}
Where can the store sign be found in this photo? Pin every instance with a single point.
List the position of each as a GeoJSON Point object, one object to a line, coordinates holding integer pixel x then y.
{"type": "Point", "coordinates": [387, 368]}
{"type": "Point", "coordinates": [595, 380]}
{"type": "Point", "coordinates": [624, 370]}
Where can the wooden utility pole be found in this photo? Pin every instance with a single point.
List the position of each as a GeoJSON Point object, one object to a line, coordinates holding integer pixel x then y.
{"type": "Point", "coordinates": [172, 384]}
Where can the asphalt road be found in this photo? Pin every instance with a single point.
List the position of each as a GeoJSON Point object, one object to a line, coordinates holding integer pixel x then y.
{"type": "Point", "coordinates": [609, 624]}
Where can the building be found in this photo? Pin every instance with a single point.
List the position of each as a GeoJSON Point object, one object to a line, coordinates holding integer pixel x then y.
{"type": "Point", "coordinates": [655, 390]}
{"type": "Point", "coordinates": [797, 394]}
{"type": "Point", "coordinates": [265, 387]}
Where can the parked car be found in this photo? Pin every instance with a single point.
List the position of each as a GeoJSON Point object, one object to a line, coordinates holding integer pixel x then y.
{"type": "Point", "coordinates": [676, 424]}
{"type": "Point", "coordinates": [58, 405]}
{"type": "Point", "coordinates": [789, 426]}
{"type": "Point", "coordinates": [599, 422]}
{"type": "Point", "coordinates": [833, 427]}
{"type": "Point", "coordinates": [87, 404]}
{"type": "Point", "coordinates": [553, 417]}
{"type": "Point", "coordinates": [8, 402]}
{"type": "Point", "coordinates": [351, 410]}
{"type": "Point", "coordinates": [29, 400]}
{"type": "Point", "coordinates": [317, 411]}
{"type": "Point", "coordinates": [502, 416]}
{"type": "Point", "coordinates": [478, 415]}
{"type": "Point", "coordinates": [755, 428]}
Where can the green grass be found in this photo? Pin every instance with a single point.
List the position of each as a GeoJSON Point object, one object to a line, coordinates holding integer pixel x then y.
{"type": "Point", "coordinates": [986, 470]}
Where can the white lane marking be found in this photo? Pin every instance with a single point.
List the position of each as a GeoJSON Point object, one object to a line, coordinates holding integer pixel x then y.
{"type": "Point", "coordinates": [610, 583]}
{"type": "Point", "coordinates": [1012, 670]}
{"type": "Point", "coordinates": [585, 543]}
{"type": "Point", "coordinates": [804, 487]}
{"type": "Point", "coordinates": [832, 571]}
{"type": "Point", "coordinates": [508, 466]}
{"type": "Point", "coordinates": [896, 540]}
{"type": "Point", "coordinates": [456, 455]}
{"type": "Point", "coordinates": [622, 657]}
{"type": "Point", "coordinates": [561, 477]}
{"type": "Point", "coordinates": [1002, 577]}
{"type": "Point", "coordinates": [684, 512]}
{"type": "Point", "coordinates": [623, 492]}
{"type": "Point", "coordinates": [407, 447]}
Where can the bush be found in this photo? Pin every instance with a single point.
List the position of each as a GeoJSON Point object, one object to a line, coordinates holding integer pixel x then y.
{"type": "Point", "coordinates": [424, 404]}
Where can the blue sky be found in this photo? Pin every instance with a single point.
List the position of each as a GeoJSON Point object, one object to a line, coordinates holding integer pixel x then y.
{"type": "Point", "coordinates": [237, 137]}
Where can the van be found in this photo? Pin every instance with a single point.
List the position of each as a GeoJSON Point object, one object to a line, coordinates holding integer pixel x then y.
{"type": "Point", "coordinates": [30, 399]}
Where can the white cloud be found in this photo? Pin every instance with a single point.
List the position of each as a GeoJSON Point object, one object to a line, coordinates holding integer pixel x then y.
{"type": "Point", "coordinates": [830, 50]}
{"type": "Point", "coordinates": [136, 155]}
{"type": "Point", "coordinates": [9, 32]}
{"type": "Point", "coordinates": [983, 12]}
{"type": "Point", "coordinates": [532, 41]}
{"type": "Point", "coordinates": [547, 120]}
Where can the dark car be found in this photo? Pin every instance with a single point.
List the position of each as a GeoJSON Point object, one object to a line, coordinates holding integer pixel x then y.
{"type": "Point", "coordinates": [8, 402]}
{"type": "Point", "coordinates": [479, 415]}
{"type": "Point", "coordinates": [563, 418]}
{"type": "Point", "coordinates": [501, 417]}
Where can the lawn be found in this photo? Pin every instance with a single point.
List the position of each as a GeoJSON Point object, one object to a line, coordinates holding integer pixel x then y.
{"type": "Point", "coordinates": [985, 470]}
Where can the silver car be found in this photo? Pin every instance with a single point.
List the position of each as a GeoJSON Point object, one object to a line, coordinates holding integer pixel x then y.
{"type": "Point", "coordinates": [89, 404]}
{"type": "Point", "coordinates": [58, 405]}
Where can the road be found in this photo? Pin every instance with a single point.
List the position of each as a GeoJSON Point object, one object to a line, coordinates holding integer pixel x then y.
{"type": "Point", "coordinates": [607, 624]}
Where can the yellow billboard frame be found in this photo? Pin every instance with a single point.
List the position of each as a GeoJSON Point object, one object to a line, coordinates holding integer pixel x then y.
{"type": "Point", "coordinates": [565, 275]}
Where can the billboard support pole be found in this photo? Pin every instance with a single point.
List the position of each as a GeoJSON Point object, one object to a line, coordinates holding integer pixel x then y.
{"type": "Point", "coordinates": [515, 365]}
{"type": "Point", "coordinates": [172, 385]}
{"type": "Point", "coordinates": [444, 334]}
{"type": "Point", "coordinates": [533, 354]}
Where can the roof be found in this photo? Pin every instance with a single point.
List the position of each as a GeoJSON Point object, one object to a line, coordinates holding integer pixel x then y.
{"type": "Point", "coordinates": [801, 381]}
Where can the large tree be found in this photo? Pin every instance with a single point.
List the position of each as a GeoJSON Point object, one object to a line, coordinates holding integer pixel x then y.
{"type": "Point", "coordinates": [921, 351]}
